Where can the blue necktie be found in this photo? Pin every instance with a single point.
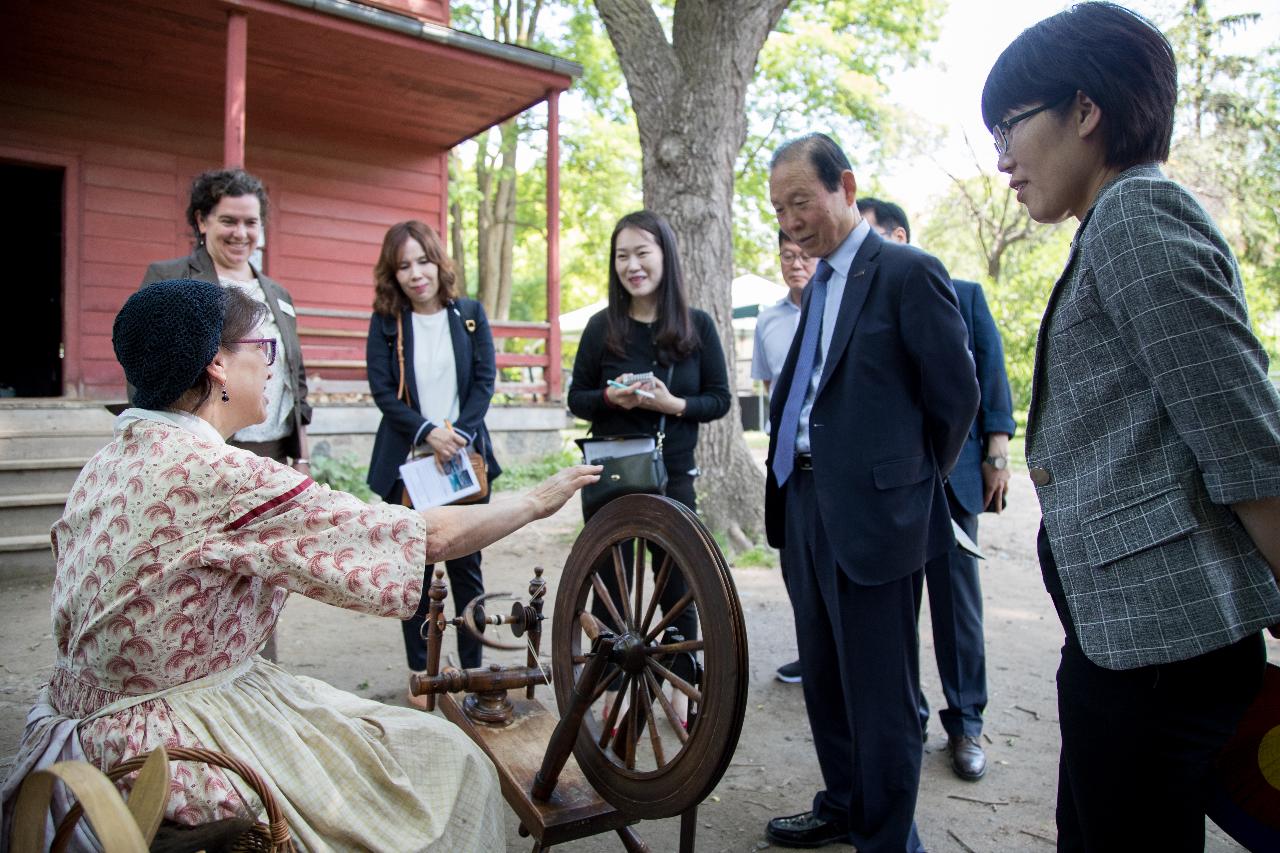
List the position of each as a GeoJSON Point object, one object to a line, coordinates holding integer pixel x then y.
{"type": "Point", "coordinates": [784, 455]}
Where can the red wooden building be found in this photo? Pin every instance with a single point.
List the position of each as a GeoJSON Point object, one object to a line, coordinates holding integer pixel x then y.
{"type": "Point", "coordinates": [347, 110]}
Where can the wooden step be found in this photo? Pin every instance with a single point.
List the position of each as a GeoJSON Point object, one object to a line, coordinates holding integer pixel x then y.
{"type": "Point", "coordinates": [35, 476]}
{"type": "Point", "coordinates": [26, 556]}
{"type": "Point", "coordinates": [30, 514]}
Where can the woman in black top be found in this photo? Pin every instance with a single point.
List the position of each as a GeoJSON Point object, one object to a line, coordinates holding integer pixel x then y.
{"type": "Point", "coordinates": [649, 327]}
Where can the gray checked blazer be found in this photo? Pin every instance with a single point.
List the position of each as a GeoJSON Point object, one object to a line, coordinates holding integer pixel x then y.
{"type": "Point", "coordinates": [1151, 412]}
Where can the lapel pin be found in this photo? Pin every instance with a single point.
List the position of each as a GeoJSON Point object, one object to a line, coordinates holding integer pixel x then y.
{"type": "Point", "coordinates": [471, 325]}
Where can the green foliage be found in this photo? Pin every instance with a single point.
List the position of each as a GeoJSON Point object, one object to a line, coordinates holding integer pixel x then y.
{"type": "Point", "coordinates": [522, 476]}
{"type": "Point", "coordinates": [1227, 147]}
{"type": "Point", "coordinates": [976, 227]}
{"type": "Point", "coordinates": [823, 68]}
{"type": "Point", "coordinates": [758, 557]}
{"type": "Point", "coordinates": [343, 473]}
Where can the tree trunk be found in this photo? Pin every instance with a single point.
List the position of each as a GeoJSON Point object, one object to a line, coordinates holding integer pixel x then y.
{"type": "Point", "coordinates": [689, 98]}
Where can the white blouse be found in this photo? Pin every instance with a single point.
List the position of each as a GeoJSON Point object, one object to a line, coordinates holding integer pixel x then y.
{"type": "Point", "coordinates": [434, 369]}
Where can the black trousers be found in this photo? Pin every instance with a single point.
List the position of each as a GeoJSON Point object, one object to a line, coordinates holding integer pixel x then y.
{"type": "Point", "coordinates": [955, 610]}
{"type": "Point", "coordinates": [1138, 744]}
{"type": "Point", "coordinates": [465, 583]}
{"type": "Point", "coordinates": [679, 488]}
{"type": "Point", "coordinates": [859, 662]}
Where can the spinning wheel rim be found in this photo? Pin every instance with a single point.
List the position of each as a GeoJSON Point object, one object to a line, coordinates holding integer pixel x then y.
{"type": "Point", "coordinates": [688, 776]}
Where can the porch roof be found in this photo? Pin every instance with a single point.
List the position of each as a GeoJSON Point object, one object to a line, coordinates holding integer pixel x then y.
{"type": "Point", "coordinates": [319, 67]}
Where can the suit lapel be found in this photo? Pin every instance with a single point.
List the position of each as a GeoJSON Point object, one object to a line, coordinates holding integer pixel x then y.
{"type": "Point", "coordinates": [200, 266]}
{"type": "Point", "coordinates": [856, 287]}
{"type": "Point", "coordinates": [1042, 336]}
{"type": "Point", "coordinates": [459, 339]}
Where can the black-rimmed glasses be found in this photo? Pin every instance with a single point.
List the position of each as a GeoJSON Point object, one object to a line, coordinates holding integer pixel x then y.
{"type": "Point", "coordinates": [1000, 130]}
{"type": "Point", "coordinates": [267, 346]}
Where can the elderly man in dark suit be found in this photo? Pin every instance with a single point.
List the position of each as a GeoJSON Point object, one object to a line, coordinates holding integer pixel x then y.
{"type": "Point", "coordinates": [978, 483]}
{"type": "Point", "coordinates": [868, 416]}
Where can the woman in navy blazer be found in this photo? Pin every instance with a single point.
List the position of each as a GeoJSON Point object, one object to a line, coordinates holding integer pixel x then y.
{"type": "Point", "coordinates": [415, 288]}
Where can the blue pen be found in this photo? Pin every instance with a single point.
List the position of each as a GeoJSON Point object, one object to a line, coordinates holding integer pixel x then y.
{"type": "Point", "coordinates": [640, 391]}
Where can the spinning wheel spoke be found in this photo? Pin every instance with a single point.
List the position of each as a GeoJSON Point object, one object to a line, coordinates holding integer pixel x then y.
{"type": "Point", "coordinates": [602, 593]}
{"type": "Point", "coordinates": [659, 585]}
{"type": "Point", "coordinates": [611, 723]}
{"type": "Point", "coordinates": [670, 616]}
{"type": "Point", "coordinates": [641, 551]}
{"type": "Point", "coordinates": [672, 648]}
{"type": "Point", "coordinates": [672, 718]}
{"type": "Point", "coordinates": [632, 724]}
{"type": "Point", "coordinates": [609, 674]}
{"type": "Point", "coordinates": [677, 682]}
{"type": "Point", "coordinates": [655, 740]}
{"type": "Point", "coordinates": [624, 590]}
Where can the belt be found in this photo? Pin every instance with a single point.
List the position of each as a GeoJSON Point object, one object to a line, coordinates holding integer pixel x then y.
{"type": "Point", "coordinates": [804, 461]}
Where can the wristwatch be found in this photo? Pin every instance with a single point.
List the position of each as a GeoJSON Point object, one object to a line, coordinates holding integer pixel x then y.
{"type": "Point", "coordinates": [997, 462]}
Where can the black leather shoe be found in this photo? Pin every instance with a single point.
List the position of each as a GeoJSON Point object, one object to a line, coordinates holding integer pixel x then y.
{"type": "Point", "coordinates": [804, 830]}
{"type": "Point", "coordinates": [967, 758]}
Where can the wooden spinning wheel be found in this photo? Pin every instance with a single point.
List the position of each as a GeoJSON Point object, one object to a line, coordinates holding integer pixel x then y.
{"type": "Point", "coordinates": [595, 770]}
{"type": "Point", "coordinates": [651, 767]}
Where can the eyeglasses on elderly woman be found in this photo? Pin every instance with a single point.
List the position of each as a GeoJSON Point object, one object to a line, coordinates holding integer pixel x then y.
{"type": "Point", "coordinates": [266, 345]}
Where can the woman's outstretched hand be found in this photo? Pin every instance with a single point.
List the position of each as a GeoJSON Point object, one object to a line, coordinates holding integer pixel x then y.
{"type": "Point", "coordinates": [552, 493]}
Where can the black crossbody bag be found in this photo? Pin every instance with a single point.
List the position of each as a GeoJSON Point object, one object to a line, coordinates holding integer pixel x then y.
{"type": "Point", "coordinates": [637, 472]}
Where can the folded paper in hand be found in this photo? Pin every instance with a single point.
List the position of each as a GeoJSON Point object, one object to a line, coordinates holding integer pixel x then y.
{"type": "Point", "coordinates": [428, 486]}
{"type": "Point", "coordinates": [593, 451]}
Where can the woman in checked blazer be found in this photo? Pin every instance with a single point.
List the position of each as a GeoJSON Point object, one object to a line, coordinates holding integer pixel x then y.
{"type": "Point", "coordinates": [1153, 437]}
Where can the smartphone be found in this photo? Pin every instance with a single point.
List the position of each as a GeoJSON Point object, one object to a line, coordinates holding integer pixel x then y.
{"type": "Point", "coordinates": [646, 379]}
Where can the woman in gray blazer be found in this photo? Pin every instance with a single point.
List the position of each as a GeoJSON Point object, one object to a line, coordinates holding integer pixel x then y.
{"type": "Point", "coordinates": [227, 210]}
{"type": "Point", "coordinates": [1153, 437]}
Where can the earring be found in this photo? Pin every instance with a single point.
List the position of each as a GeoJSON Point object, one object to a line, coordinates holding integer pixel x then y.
{"type": "Point", "coordinates": [225, 398]}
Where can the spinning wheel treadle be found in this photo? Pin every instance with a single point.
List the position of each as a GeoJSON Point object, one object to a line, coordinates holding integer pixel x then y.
{"type": "Point", "coordinates": [644, 763]}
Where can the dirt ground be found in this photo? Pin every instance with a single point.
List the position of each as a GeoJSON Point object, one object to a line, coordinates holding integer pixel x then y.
{"type": "Point", "coordinates": [774, 771]}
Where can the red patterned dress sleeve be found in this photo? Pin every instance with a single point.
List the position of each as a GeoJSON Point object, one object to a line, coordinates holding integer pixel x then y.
{"type": "Point", "coordinates": [298, 535]}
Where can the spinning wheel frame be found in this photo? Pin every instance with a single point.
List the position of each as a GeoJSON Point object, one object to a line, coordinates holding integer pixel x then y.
{"type": "Point", "coordinates": [680, 781]}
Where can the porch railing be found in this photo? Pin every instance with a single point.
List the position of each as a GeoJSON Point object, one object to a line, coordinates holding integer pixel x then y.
{"type": "Point", "coordinates": [333, 347]}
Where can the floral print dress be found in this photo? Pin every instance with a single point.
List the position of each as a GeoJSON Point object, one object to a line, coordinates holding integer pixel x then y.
{"type": "Point", "coordinates": [175, 555]}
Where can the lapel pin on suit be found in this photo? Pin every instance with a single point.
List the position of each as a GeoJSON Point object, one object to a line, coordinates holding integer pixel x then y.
{"type": "Point", "coordinates": [471, 325]}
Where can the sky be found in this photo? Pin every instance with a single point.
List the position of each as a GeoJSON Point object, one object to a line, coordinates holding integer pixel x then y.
{"type": "Point", "coordinates": [948, 89]}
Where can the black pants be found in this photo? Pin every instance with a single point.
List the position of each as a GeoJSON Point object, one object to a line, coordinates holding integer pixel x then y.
{"type": "Point", "coordinates": [465, 583]}
{"type": "Point", "coordinates": [1138, 744]}
{"type": "Point", "coordinates": [679, 488]}
{"type": "Point", "coordinates": [955, 608]}
{"type": "Point", "coordinates": [859, 662]}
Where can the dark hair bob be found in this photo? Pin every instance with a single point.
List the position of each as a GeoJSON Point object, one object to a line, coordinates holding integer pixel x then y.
{"type": "Point", "coordinates": [1115, 56]}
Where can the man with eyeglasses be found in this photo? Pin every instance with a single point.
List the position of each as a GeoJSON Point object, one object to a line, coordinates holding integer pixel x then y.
{"type": "Point", "coordinates": [775, 327]}
{"type": "Point", "coordinates": [976, 484]}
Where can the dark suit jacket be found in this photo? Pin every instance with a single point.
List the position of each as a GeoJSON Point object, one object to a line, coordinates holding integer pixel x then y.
{"type": "Point", "coordinates": [199, 265]}
{"type": "Point", "coordinates": [895, 402]}
{"type": "Point", "coordinates": [995, 414]}
{"type": "Point", "coordinates": [473, 359]}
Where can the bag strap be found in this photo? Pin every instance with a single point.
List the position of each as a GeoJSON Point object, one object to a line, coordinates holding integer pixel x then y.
{"type": "Point", "coordinates": [662, 422]}
{"type": "Point", "coordinates": [401, 393]}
